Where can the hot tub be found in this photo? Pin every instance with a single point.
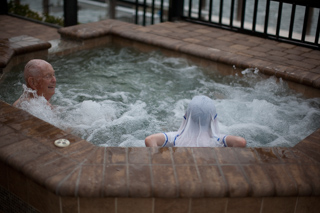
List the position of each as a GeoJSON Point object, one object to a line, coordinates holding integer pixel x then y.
{"type": "Point", "coordinates": [84, 177]}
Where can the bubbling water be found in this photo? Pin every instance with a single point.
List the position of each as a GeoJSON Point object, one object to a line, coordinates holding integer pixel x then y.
{"type": "Point", "coordinates": [117, 96]}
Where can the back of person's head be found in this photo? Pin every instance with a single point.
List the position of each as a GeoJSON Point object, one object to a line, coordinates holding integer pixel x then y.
{"type": "Point", "coordinates": [201, 110]}
{"type": "Point", "coordinates": [33, 68]}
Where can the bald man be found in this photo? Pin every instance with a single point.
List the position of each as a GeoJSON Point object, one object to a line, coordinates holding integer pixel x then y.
{"type": "Point", "coordinates": [39, 76]}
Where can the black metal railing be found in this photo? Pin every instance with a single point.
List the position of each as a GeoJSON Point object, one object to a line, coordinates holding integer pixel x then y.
{"type": "Point", "coordinates": [293, 21]}
{"type": "Point", "coordinates": [147, 11]}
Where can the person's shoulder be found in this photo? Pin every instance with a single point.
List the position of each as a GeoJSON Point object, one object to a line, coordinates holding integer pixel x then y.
{"type": "Point", "coordinates": [16, 103]}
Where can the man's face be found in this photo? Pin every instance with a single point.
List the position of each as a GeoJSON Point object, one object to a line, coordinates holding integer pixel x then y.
{"type": "Point", "coordinates": [46, 82]}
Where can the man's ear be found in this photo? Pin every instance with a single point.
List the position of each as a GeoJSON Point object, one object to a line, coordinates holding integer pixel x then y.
{"type": "Point", "coordinates": [32, 83]}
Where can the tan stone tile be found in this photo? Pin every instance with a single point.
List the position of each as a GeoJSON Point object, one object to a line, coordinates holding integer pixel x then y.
{"type": "Point", "coordinates": [302, 157]}
{"type": "Point", "coordinates": [208, 205]}
{"type": "Point", "coordinates": [279, 204]}
{"type": "Point", "coordinates": [75, 148]}
{"type": "Point", "coordinates": [164, 181]}
{"type": "Point", "coordinates": [64, 182]}
{"type": "Point", "coordinates": [239, 47]}
{"type": "Point", "coordinates": [313, 173]}
{"type": "Point", "coordinates": [237, 183]}
{"type": "Point", "coordinates": [295, 74]}
{"type": "Point", "coordinates": [212, 181]}
{"type": "Point", "coordinates": [20, 156]}
{"type": "Point", "coordinates": [283, 182]}
{"type": "Point", "coordinates": [277, 53]}
{"type": "Point", "coordinates": [254, 53]}
{"type": "Point", "coordinates": [182, 155]}
{"type": "Point", "coordinates": [261, 184]}
{"type": "Point", "coordinates": [226, 156]}
{"type": "Point", "coordinates": [294, 57]}
{"type": "Point", "coordinates": [203, 31]}
{"type": "Point", "coordinates": [161, 155]}
{"type": "Point", "coordinates": [31, 125]}
{"type": "Point", "coordinates": [97, 157]}
{"type": "Point", "coordinates": [310, 78]}
{"type": "Point", "coordinates": [11, 149]}
{"type": "Point", "coordinates": [138, 155]}
{"type": "Point", "coordinates": [171, 205]}
{"type": "Point", "coordinates": [47, 136]}
{"type": "Point", "coordinates": [313, 54]}
{"type": "Point", "coordinates": [316, 82]}
{"type": "Point", "coordinates": [134, 205]}
{"type": "Point", "coordinates": [10, 139]}
{"type": "Point", "coordinates": [7, 108]}
{"type": "Point", "coordinates": [300, 64]}
{"type": "Point", "coordinates": [4, 130]}
{"type": "Point", "coordinates": [246, 155]}
{"type": "Point", "coordinates": [244, 205]}
{"type": "Point", "coordinates": [9, 117]}
{"type": "Point", "coordinates": [115, 181]}
{"type": "Point", "coordinates": [140, 180]}
{"type": "Point", "coordinates": [116, 155]}
{"type": "Point", "coordinates": [84, 154]}
{"type": "Point", "coordinates": [189, 181]}
{"type": "Point", "coordinates": [52, 134]}
{"type": "Point", "coordinates": [97, 205]}
{"type": "Point", "coordinates": [90, 181]}
{"type": "Point", "coordinates": [47, 166]}
{"type": "Point", "coordinates": [286, 45]}
{"type": "Point", "coordinates": [267, 155]}
{"type": "Point", "coordinates": [191, 40]}
{"type": "Point", "coordinates": [310, 145]}
{"type": "Point", "coordinates": [204, 155]}
{"type": "Point", "coordinates": [285, 154]}
{"type": "Point", "coordinates": [303, 182]}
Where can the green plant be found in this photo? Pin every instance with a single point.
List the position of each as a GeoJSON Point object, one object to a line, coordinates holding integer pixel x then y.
{"type": "Point", "coordinates": [54, 20]}
{"type": "Point", "coordinates": [24, 10]}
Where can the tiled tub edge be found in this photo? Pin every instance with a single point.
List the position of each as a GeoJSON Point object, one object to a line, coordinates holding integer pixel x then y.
{"type": "Point", "coordinates": [90, 178]}
{"type": "Point", "coordinates": [32, 167]}
{"type": "Point", "coordinates": [84, 171]}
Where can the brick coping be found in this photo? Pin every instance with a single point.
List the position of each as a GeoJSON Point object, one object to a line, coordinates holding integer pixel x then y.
{"type": "Point", "coordinates": [85, 170]}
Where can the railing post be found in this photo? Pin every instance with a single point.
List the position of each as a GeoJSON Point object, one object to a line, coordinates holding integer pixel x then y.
{"type": "Point", "coordinates": [111, 8]}
{"type": "Point", "coordinates": [3, 7]}
{"type": "Point", "coordinates": [309, 23]}
{"type": "Point", "coordinates": [175, 10]}
{"type": "Point", "coordinates": [45, 6]}
{"type": "Point", "coordinates": [70, 8]}
{"type": "Point", "coordinates": [239, 10]}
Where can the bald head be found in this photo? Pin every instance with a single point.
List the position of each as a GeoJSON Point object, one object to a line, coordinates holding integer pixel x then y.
{"type": "Point", "coordinates": [40, 76]}
{"type": "Point", "coordinates": [34, 69]}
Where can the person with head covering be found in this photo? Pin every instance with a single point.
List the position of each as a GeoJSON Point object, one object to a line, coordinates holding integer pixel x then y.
{"type": "Point", "coordinates": [198, 129]}
{"type": "Point", "coordinates": [40, 80]}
